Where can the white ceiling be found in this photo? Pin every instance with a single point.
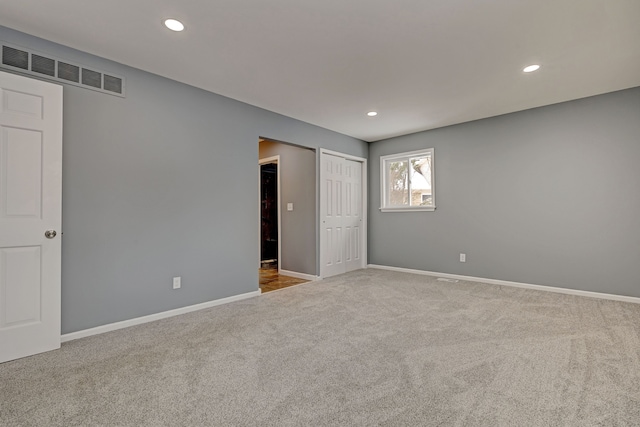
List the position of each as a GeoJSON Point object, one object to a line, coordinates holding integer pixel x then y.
{"type": "Point", "coordinates": [421, 64]}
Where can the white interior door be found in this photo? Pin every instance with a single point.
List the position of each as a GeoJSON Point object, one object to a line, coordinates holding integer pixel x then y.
{"type": "Point", "coordinates": [342, 232]}
{"type": "Point", "coordinates": [30, 205]}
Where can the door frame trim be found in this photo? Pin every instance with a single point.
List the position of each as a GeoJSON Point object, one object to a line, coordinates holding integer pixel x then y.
{"type": "Point", "coordinates": [365, 209]}
{"type": "Point", "coordinates": [266, 161]}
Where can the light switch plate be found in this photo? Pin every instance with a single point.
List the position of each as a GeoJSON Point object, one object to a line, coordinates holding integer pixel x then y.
{"type": "Point", "coordinates": [289, 206]}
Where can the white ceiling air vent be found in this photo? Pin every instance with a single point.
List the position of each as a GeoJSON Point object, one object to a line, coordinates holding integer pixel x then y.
{"type": "Point", "coordinates": [26, 61]}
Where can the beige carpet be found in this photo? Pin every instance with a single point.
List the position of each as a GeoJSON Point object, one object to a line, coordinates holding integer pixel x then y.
{"type": "Point", "coordinates": [366, 348]}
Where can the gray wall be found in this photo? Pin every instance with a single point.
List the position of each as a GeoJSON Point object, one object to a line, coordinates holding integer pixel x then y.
{"type": "Point", "coordinates": [298, 186]}
{"type": "Point", "coordinates": [547, 196]}
{"type": "Point", "coordinates": [162, 183]}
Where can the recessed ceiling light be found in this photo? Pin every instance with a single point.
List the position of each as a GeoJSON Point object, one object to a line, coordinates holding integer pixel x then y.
{"type": "Point", "coordinates": [372, 113]}
{"type": "Point", "coordinates": [174, 25]}
{"type": "Point", "coordinates": [531, 68]}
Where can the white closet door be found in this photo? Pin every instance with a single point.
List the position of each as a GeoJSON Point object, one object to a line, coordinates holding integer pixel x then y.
{"type": "Point", "coordinates": [341, 215]}
{"type": "Point", "coordinates": [332, 206]}
{"type": "Point", "coordinates": [30, 207]}
{"type": "Point", "coordinates": [352, 219]}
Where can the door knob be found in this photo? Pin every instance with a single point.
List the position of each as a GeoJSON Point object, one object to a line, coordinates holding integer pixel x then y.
{"type": "Point", "coordinates": [50, 234]}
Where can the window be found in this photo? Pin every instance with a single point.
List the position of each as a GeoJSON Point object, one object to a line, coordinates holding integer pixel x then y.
{"type": "Point", "coordinates": [407, 182]}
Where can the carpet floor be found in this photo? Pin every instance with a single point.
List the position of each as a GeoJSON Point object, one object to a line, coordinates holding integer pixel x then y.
{"type": "Point", "coordinates": [366, 348]}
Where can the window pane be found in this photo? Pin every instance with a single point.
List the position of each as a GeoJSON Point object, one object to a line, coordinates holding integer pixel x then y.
{"type": "Point", "coordinates": [407, 181]}
{"type": "Point", "coordinates": [421, 194]}
{"type": "Point", "coordinates": [398, 183]}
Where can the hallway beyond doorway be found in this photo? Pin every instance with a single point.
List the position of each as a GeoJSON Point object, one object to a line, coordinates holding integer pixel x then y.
{"type": "Point", "coordinates": [270, 280]}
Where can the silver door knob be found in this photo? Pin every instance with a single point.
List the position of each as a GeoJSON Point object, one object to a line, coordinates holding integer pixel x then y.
{"type": "Point", "coordinates": [50, 234]}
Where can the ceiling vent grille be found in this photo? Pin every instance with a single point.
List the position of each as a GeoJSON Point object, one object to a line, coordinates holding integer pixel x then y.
{"type": "Point", "coordinates": [42, 65]}
{"type": "Point", "coordinates": [68, 72]}
{"type": "Point", "coordinates": [15, 58]}
{"type": "Point", "coordinates": [91, 78]}
{"type": "Point", "coordinates": [25, 61]}
{"type": "Point", "coordinates": [113, 84]}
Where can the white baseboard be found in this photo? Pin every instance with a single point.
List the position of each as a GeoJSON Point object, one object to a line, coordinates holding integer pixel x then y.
{"type": "Point", "coordinates": [298, 275]}
{"type": "Point", "coordinates": [153, 317]}
{"type": "Point", "coordinates": [589, 294]}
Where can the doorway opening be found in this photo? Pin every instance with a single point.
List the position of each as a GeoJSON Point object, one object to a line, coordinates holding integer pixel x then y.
{"type": "Point", "coordinates": [269, 214]}
{"type": "Point", "coordinates": [288, 211]}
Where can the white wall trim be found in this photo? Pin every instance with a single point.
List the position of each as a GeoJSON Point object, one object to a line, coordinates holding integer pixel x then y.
{"type": "Point", "coordinates": [153, 317]}
{"type": "Point", "coordinates": [589, 294]}
{"type": "Point", "coordinates": [297, 275]}
{"type": "Point", "coordinates": [266, 160]}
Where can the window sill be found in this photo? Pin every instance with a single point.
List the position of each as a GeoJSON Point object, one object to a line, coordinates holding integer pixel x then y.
{"type": "Point", "coordinates": [416, 209]}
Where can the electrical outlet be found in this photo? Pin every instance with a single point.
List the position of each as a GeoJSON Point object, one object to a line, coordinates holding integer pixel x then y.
{"type": "Point", "coordinates": [177, 282]}
{"type": "Point", "coordinates": [463, 257]}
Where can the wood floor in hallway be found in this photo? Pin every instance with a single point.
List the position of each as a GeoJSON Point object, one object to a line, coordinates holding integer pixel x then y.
{"type": "Point", "coordinates": [270, 280]}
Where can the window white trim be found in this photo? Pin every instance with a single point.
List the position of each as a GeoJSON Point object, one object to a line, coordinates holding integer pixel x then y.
{"type": "Point", "coordinates": [409, 209]}
{"type": "Point", "coordinates": [383, 181]}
